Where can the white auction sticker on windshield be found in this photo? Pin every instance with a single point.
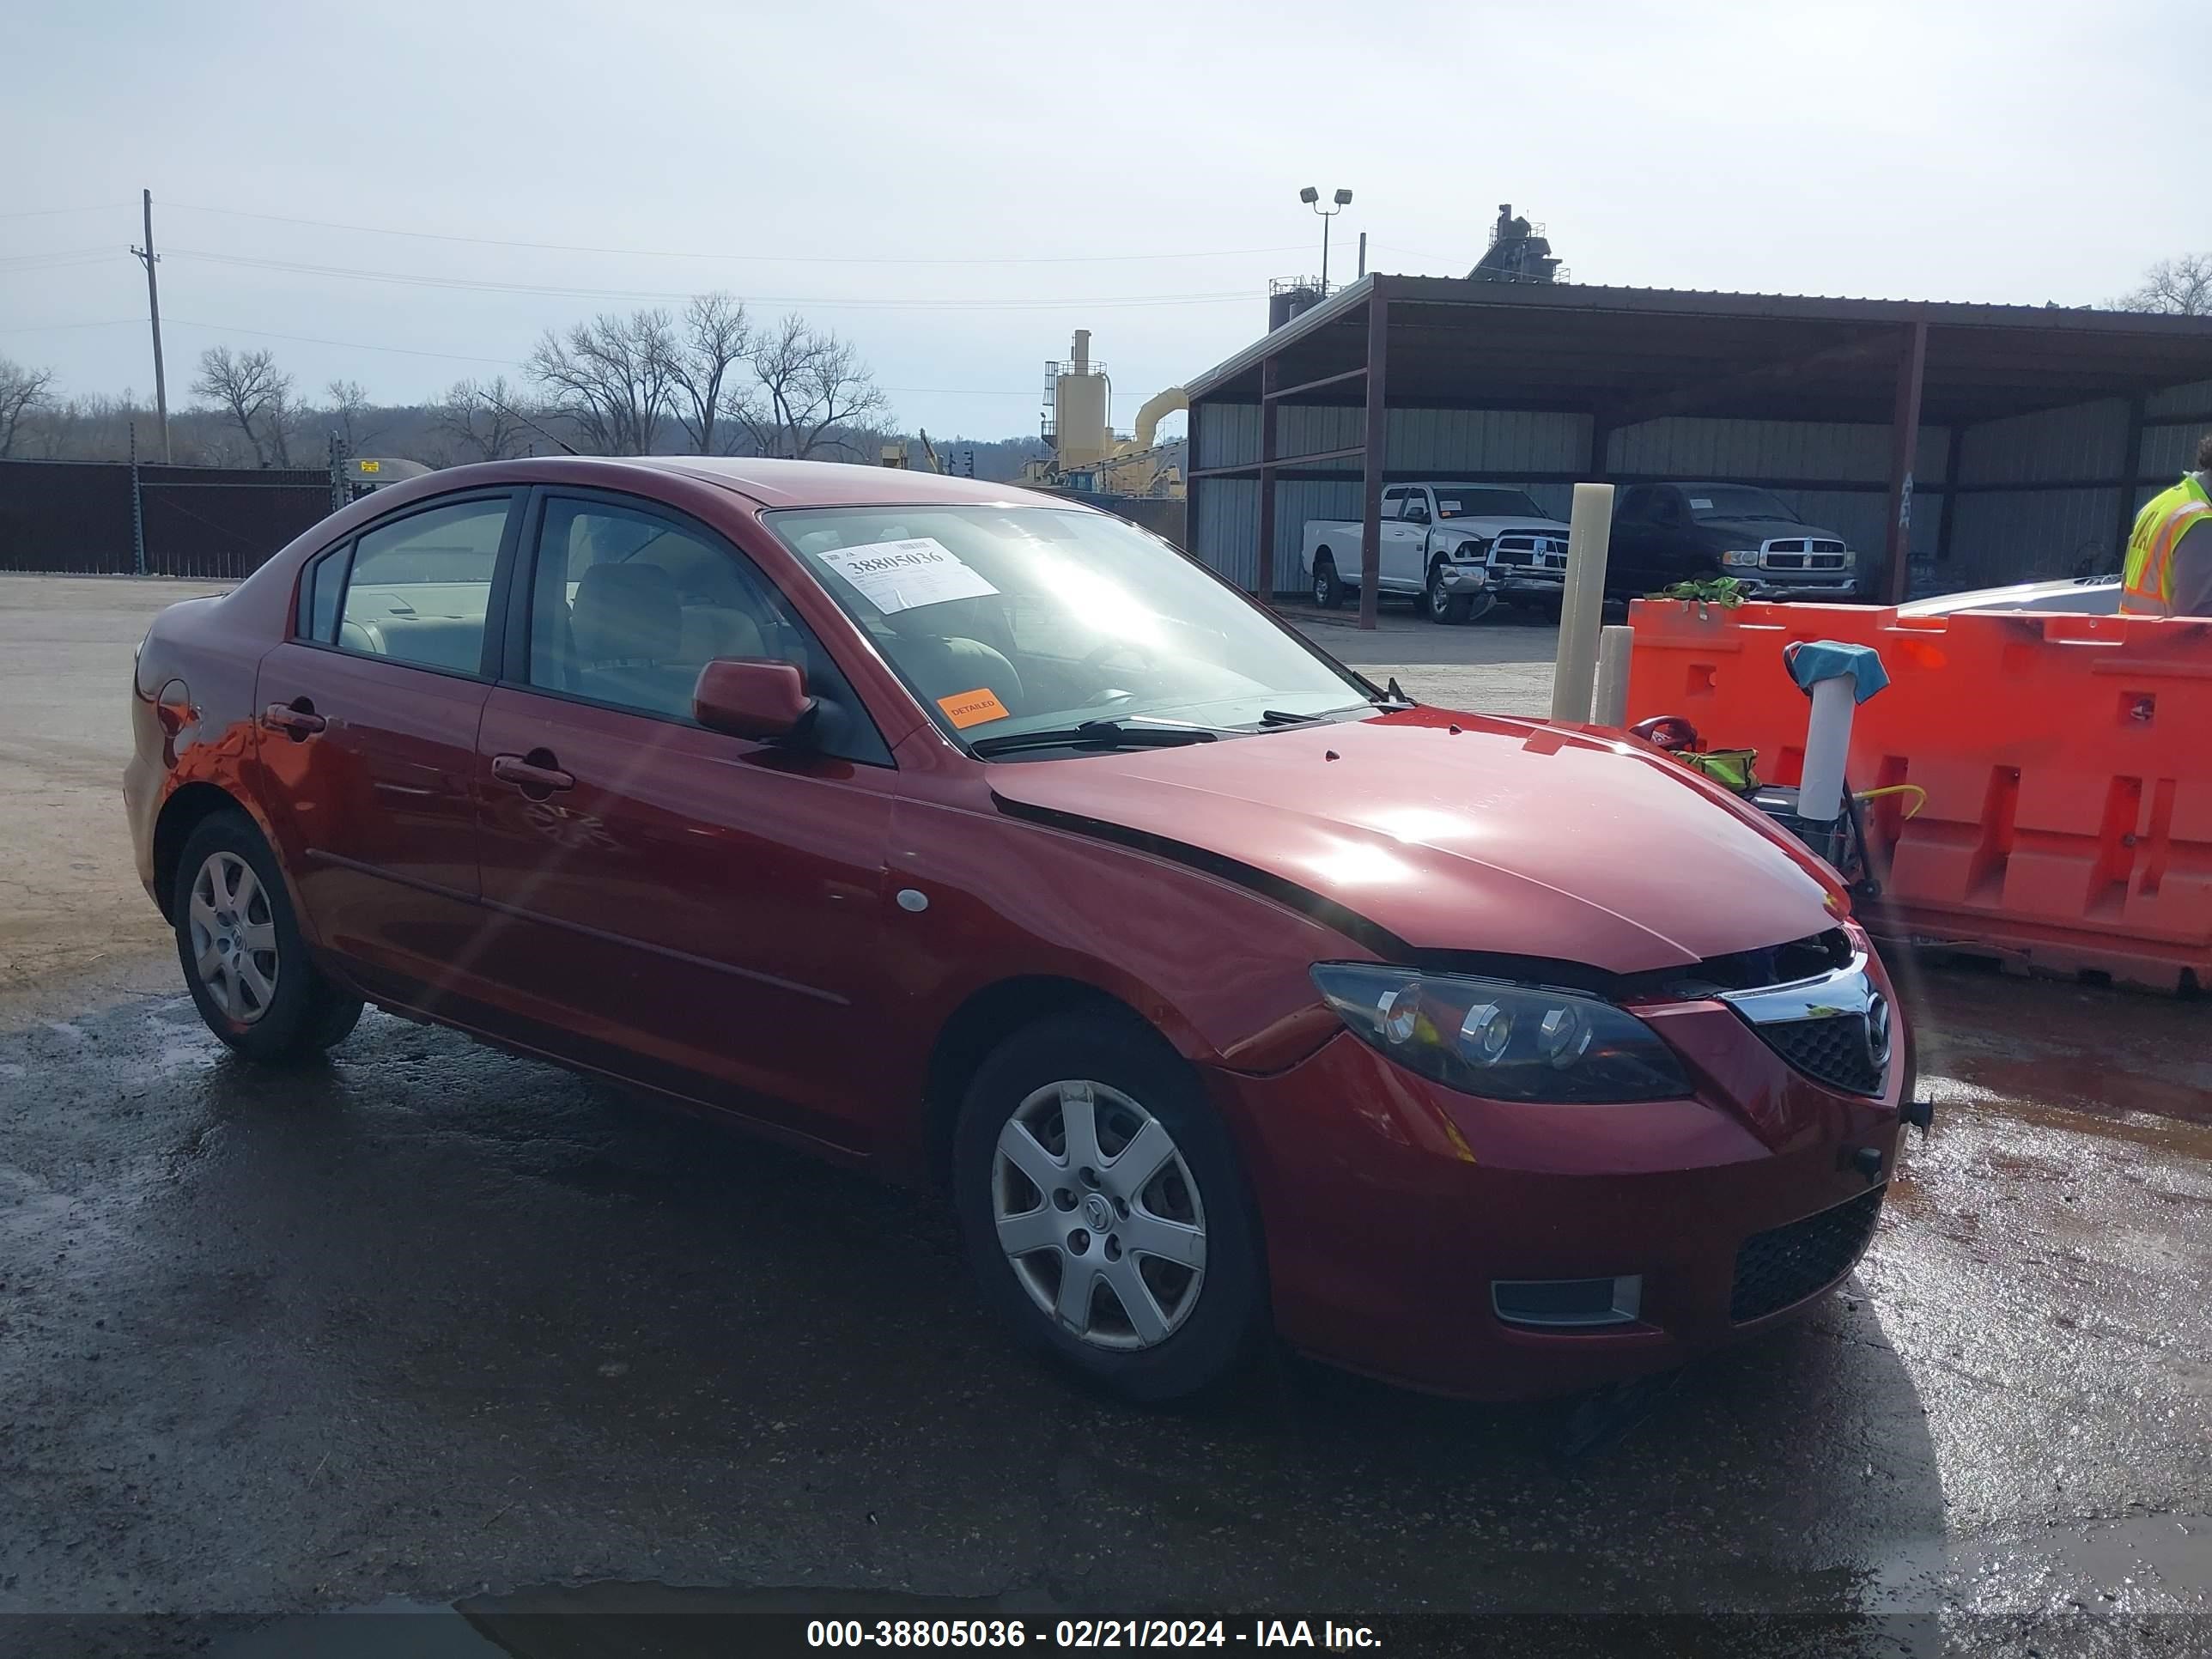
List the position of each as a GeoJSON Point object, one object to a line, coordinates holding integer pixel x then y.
{"type": "Point", "coordinates": [902, 575]}
{"type": "Point", "coordinates": [1700, 504]}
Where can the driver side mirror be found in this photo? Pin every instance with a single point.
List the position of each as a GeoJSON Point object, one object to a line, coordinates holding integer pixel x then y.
{"type": "Point", "coordinates": [754, 698]}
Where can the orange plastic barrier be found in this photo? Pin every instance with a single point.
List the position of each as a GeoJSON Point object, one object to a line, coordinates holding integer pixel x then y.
{"type": "Point", "coordinates": [2068, 762]}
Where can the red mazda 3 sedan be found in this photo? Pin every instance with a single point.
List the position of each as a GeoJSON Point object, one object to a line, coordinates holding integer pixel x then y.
{"type": "Point", "coordinates": [981, 838]}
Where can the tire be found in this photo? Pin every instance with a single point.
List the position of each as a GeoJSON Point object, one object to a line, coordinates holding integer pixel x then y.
{"type": "Point", "coordinates": [1328, 591]}
{"type": "Point", "coordinates": [240, 950]}
{"type": "Point", "coordinates": [1201, 1320]}
{"type": "Point", "coordinates": [1440, 606]}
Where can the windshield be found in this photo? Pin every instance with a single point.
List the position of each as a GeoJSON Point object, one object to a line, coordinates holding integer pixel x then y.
{"type": "Point", "coordinates": [1735, 501]}
{"type": "Point", "coordinates": [1485, 501]}
{"type": "Point", "coordinates": [1006, 620]}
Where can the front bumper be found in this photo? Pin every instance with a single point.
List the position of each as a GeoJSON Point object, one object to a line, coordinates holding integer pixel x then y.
{"type": "Point", "coordinates": [1767, 587]}
{"type": "Point", "coordinates": [1519, 582]}
{"type": "Point", "coordinates": [1462, 578]}
{"type": "Point", "coordinates": [1393, 1207]}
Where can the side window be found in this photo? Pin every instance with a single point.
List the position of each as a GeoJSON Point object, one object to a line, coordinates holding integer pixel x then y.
{"type": "Point", "coordinates": [627, 606]}
{"type": "Point", "coordinates": [1393, 502]}
{"type": "Point", "coordinates": [420, 588]}
{"type": "Point", "coordinates": [1666, 506]}
{"type": "Point", "coordinates": [320, 591]}
{"type": "Point", "coordinates": [1417, 506]}
{"type": "Point", "coordinates": [1637, 503]}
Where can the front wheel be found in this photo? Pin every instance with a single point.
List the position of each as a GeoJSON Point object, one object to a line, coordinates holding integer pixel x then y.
{"type": "Point", "coordinates": [1441, 605]}
{"type": "Point", "coordinates": [240, 949]}
{"type": "Point", "coordinates": [1104, 1211]}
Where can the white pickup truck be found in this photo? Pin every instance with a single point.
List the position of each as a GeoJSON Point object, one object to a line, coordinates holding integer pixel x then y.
{"type": "Point", "coordinates": [1454, 549]}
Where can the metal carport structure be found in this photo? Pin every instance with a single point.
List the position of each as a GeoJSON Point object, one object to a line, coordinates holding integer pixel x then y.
{"type": "Point", "coordinates": [2038, 429]}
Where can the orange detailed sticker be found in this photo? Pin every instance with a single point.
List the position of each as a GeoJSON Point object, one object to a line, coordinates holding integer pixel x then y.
{"type": "Point", "coordinates": [967, 708]}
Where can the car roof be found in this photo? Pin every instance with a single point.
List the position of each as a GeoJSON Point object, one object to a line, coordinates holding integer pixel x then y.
{"type": "Point", "coordinates": [818, 483]}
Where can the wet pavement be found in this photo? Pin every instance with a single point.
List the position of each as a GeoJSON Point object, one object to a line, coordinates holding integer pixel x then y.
{"type": "Point", "coordinates": [429, 1322]}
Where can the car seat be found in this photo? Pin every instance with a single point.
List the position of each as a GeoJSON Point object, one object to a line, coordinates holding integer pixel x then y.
{"type": "Point", "coordinates": [626, 625]}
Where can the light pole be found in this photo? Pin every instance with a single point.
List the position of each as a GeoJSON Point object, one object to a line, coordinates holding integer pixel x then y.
{"type": "Point", "coordinates": [1311, 197]}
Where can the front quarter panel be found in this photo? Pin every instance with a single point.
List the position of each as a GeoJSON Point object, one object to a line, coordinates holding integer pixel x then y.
{"type": "Point", "coordinates": [1221, 972]}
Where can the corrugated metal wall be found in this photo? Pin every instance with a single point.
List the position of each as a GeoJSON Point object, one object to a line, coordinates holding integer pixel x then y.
{"type": "Point", "coordinates": [1834, 474]}
{"type": "Point", "coordinates": [1751, 452]}
{"type": "Point", "coordinates": [2020, 535]}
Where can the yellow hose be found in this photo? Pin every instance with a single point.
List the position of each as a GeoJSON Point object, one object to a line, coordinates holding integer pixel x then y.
{"type": "Point", "coordinates": [1919, 795]}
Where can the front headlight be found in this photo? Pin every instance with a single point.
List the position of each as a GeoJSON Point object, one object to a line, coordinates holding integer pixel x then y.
{"type": "Point", "coordinates": [1475, 549]}
{"type": "Point", "coordinates": [1740, 555]}
{"type": "Point", "coordinates": [1503, 1041]}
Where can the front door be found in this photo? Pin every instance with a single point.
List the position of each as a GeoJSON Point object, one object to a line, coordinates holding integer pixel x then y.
{"type": "Point", "coordinates": [367, 730]}
{"type": "Point", "coordinates": [698, 911]}
{"type": "Point", "coordinates": [1404, 541]}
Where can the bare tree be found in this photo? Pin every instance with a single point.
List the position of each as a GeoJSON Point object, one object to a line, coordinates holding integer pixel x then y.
{"type": "Point", "coordinates": [715, 337]}
{"type": "Point", "coordinates": [613, 376]}
{"type": "Point", "coordinates": [2176, 288]}
{"type": "Point", "coordinates": [22, 391]}
{"type": "Point", "coordinates": [479, 416]}
{"type": "Point", "coordinates": [810, 387]}
{"type": "Point", "coordinates": [350, 410]}
{"type": "Point", "coordinates": [248, 387]}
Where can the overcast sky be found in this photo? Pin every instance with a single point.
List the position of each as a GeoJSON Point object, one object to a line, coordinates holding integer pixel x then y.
{"type": "Point", "coordinates": [957, 187]}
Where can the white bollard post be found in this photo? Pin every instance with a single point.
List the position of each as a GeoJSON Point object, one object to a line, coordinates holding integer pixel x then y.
{"type": "Point", "coordinates": [1609, 698]}
{"type": "Point", "coordinates": [1827, 741]}
{"type": "Point", "coordinates": [1581, 607]}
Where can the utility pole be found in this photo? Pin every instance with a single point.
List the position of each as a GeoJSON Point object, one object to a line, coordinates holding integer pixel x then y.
{"type": "Point", "coordinates": [148, 258]}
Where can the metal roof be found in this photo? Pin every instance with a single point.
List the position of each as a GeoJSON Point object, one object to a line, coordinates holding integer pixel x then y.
{"type": "Point", "coordinates": [1631, 355]}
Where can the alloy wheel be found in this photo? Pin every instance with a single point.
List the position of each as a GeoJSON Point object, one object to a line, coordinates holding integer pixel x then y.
{"type": "Point", "coordinates": [233, 937]}
{"type": "Point", "coordinates": [1099, 1215]}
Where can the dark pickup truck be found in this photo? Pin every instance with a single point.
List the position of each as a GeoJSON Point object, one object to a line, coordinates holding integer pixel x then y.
{"type": "Point", "coordinates": [1671, 533]}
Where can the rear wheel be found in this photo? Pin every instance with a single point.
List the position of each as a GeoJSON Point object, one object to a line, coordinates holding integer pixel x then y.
{"type": "Point", "coordinates": [242, 952]}
{"type": "Point", "coordinates": [1442, 605]}
{"type": "Point", "coordinates": [1328, 591]}
{"type": "Point", "coordinates": [1104, 1211]}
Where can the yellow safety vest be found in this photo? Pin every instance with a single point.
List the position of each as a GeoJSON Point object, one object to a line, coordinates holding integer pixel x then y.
{"type": "Point", "coordinates": [2165, 518]}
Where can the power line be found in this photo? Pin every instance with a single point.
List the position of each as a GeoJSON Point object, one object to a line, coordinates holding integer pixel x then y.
{"type": "Point", "coordinates": [769, 259]}
{"type": "Point", "coordinates": [48, 213]}
{"type": "Point", "coordinates": [49, 328]}
{"type": "Point", "coordinates": [349, 345]}
{"type": "Point", "coordinates": [348, 273]}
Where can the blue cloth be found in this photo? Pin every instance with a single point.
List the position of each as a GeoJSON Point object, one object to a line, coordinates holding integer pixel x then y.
{"type": "Point", "coordinates": [1811, 661]}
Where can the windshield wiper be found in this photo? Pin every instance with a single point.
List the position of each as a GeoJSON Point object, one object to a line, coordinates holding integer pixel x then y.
{"type": "Point", "coordinates": [1391, 695]}
{"type": "Point", "coordinates": [1104, 734]}
{"type": "Point", "coordinates": [1283, 717]}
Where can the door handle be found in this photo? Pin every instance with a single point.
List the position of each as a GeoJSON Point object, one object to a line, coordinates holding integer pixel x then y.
{"type": "Point", "coordinates": [527, 774]}
{"type": "Point", "coordinates": [297, 719]}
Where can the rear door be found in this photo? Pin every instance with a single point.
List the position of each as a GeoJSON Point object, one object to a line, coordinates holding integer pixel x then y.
{"type": "Point", "coordinates": [694, 910]}
{"type": "Point", "coordinates": [367, 739]}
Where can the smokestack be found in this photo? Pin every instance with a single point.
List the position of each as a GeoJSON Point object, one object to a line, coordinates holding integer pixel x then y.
{"type": "Point", "coordinates": [1081, 352]}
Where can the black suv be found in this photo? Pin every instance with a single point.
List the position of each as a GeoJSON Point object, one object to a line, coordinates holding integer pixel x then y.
{"type": "Point", "coordinates": [1673, 532]}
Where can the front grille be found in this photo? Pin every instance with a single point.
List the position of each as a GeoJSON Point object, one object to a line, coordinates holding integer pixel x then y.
{"type": "Point", "coordinates": [1785, 562]}
{"type": "Point", "coordinates": [1512, 555]}
{"type": "Point", "coordinates": [1832, 1050]}
{"type": "Point", "coordinates": [1786, 1264]}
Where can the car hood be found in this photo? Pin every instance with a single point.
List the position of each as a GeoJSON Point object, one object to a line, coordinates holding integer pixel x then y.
{"type": "Point", "coordinates": [1750, 533]}
{"type": "Point", "coordinates": [1492, 527]}
{"type": "Point", "coordinates": [1458, 832]}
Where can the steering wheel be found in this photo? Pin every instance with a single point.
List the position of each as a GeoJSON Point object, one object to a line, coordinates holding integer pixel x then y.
{"type": "Point", "coordinates": [1094, 662]}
